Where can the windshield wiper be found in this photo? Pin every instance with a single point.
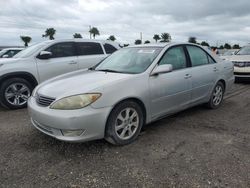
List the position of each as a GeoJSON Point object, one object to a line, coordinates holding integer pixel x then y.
{"type": "Point", "coordinates": [108, 70]}
{"type": "Point", "coordinates": [91, 68]}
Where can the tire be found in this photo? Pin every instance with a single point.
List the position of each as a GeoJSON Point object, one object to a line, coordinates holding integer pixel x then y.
{"type": "Point", "coordinates": [14, 93]}
{"type": "Point", "coordinates": [124, 123]}
{"type": "Point", "coordinates": [217, 96]}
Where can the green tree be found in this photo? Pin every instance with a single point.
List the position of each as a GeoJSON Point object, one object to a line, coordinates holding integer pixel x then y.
{"type": "Point", "coordinates": [26, 40]}
{"type": "Point", "coordinates": [227, 46]}
{"type": "Point", "coordinates": [138, 41]}
{"type": "Point", "coordinates": [77, 36]}
{"type": "Point", "coordinates": [204, 43]}
{"type": "Point", "coordinates": [112, 38]}
{"type": "Point", "coordinates": [156, 37]}
{"type": "Point", "coordinates": [236, 46]}
{"type": "Point", "coordinates": [192, 40]}
{"type": "Point", "coordinates": [147, 42]}
{"type": "Point", "coordinates": [166, 37]}
{"type": "Point", "coordinates": [94, 31]}
{"type": "Point", "coordinates": [49, 32]}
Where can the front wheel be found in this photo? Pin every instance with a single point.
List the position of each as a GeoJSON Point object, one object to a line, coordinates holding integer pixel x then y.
{"type": "Point", "coordinates": [217, 96]}
{"type": "Point", "coordinates": [14, 93]}
{"type": "Point", "coordinates": [124, 123]}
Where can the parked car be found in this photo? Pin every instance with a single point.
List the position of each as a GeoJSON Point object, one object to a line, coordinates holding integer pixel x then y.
{"type": "Point", "coordinates": [228, 53]}
{"type": "Point", "coordinates": [9, 52]}
{"type": "Point", "coordinates": [241, 61]}
{"type": "Point", "coordinates": [20, 74]}
{"type": "Point", "coordinates": [132, 87]}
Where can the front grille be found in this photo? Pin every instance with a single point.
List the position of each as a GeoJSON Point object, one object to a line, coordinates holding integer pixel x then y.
{"type": "Point", "coordinates": [242, 73]}
{"type": "Point", "coordinates": [241, 63]}
{"type": "Point", "coordinates": [44, 101]}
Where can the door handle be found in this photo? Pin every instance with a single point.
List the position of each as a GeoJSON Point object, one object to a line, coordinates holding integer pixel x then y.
{"type": "Point", "coordinates": [72, 62]}
{"type": "Point", "coordinates": [187, 76]}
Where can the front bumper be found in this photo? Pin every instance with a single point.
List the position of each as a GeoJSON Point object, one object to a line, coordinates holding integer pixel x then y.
{"type": "Point", "coordinates": [242, 72]}
{"type": "Point", "coordinates": [51, 122]}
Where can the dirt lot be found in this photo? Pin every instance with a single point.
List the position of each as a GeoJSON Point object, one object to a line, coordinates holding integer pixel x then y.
{"type": "Point", "coordinates": [195, 148]}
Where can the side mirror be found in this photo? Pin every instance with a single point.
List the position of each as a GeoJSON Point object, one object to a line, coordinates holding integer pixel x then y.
{"type": "Point", "coordinates": [5, 56]}
{"type": "Point", "coordinates": [45, 55]}
{"type": "Point", "coordinates": [162, 69]}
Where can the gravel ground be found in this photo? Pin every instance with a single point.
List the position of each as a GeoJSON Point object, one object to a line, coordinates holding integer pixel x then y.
{"type": "Point", "coordinates": [194, 148]}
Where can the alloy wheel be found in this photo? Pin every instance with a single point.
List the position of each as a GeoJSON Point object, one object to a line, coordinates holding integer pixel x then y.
{"type": "Point", "coordinates": [217, 95]}
{"type": "Point", "coordinates": [17, 94]}
{"type": "Point", "coordinates": [127, 123]}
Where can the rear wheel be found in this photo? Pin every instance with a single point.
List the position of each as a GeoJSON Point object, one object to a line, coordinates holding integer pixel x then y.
{"type": "Point", "coordinates": [124, 123]}
{"type": "Point", "coordinates": [14, 93]}
{"type": "Point", "coordinates": [217, 96]}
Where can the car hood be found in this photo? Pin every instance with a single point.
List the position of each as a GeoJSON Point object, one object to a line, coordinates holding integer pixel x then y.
{"type": "Point", "coordinates": [78, 83]}
{"type": "Point", "coordinates": [9, 60]}
{"type": "Point", "coordinates": [239, 58]}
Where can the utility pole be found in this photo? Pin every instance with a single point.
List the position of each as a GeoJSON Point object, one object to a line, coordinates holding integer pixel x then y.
{"type": "Point", "coordinates": [89, 31]}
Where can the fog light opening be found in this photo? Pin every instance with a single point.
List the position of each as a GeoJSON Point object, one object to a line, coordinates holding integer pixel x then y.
{"type": "Point", "coordinates": [72, 133]}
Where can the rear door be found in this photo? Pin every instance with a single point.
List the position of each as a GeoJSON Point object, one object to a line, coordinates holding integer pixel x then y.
{"type": "Point", "coordinates": [171, 91]}
{"type": "Point", "coordinates": [63, 60]}
{"type": "Point", "coordinates": [204, 73]}
{"type": "Point", "coordinates": [89, 54]}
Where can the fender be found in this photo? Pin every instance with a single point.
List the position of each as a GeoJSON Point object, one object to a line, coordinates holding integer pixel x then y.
{"type": "Point", "coordinates": [26, 75]}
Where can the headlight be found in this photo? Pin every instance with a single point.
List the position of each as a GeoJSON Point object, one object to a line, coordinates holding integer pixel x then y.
{"type": "Point", "coordinates": [75, 102]}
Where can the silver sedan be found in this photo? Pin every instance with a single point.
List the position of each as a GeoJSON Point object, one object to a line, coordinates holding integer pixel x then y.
{"type": "Point", "coordinates": [132, 87]}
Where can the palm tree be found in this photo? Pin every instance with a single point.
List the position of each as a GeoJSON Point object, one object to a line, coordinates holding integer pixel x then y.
{"type": "Point", "coordinates": [50, 32]}
{"type": "Point", "coordinates": [147, 42]}
{"type": "Point", "coordinates": [26, 40]}
{"type": "Point", "coordinates": [156, 37]}
{"type": "Point", "coordinates": [94, 31]}
{"type": "Point", "coordinates": [192, 40]}
{"type": "Point", "coordinates": [112, 38]}
{"type": "Point", "coordinates": [138, 41]}
{"type": "Point", "coordinates": [77, 35]}
{"type": "Point", "coordinates": [166, 37]}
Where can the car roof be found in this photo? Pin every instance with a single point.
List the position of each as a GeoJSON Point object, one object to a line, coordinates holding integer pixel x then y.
{"type": "Point", "coordinates": [163, 44]}
{"type": "Point", "coordinates": [82, 40]}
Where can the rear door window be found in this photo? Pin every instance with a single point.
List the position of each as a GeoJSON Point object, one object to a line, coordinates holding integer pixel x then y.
{"type": "Point", "coordinates": [89, 48]}
{"type": "Point", "coordinates": [109, 48]}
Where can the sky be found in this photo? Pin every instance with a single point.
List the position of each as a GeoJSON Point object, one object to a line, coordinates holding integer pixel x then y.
{"type": "Point", "coordinates": [213, 21]}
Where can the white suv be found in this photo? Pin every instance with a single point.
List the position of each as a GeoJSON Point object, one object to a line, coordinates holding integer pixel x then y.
{"type": "Point", "coordinates": [19, 75]}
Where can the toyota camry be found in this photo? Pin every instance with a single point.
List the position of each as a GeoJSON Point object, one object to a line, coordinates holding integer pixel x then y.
{"type": "Point", "coordinates": [134, 86]}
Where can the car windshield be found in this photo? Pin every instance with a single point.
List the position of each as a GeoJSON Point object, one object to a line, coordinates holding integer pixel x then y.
{"type": "Point", "coordinates": [30, 50]}
{"type": "Point", "coordinates": [130, 60]}
{"type": "Point", "coordinates": [2, 52]}
{"type": "Point", "coordinates": [244, 51]}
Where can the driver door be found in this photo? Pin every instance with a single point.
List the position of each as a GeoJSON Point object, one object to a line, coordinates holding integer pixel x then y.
{"type": "Point", "coordinates": [171, 92]}
{"type": "Point", "coordinates": [63, 60]}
